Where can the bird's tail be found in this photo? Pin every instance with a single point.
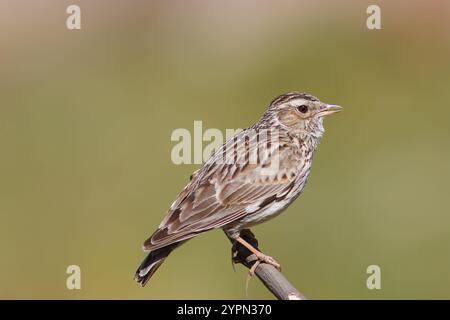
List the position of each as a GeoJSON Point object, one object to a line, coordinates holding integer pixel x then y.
{"type": "Point", "coordinates": [152, 262]}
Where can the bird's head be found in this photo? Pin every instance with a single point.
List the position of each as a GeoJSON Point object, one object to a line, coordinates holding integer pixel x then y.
{"type": "Point", "coordinates": [300, 113]}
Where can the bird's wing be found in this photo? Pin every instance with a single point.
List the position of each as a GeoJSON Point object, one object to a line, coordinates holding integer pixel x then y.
{"type": "Point", "coordinates": [221, 193]}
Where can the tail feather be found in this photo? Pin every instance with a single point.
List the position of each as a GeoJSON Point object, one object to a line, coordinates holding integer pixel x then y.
{"type": "Point", "coordinates": [152, 262]}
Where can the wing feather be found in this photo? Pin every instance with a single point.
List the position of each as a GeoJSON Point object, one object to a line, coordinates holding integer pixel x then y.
{"type": "Point", "coordinates": [219, 194]}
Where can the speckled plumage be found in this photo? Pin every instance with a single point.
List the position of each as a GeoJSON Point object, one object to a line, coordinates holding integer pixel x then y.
{"type": "Point", "coordinates": [250, 179]}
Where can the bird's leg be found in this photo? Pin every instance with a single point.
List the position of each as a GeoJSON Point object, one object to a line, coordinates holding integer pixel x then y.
{"type": "Point", "coordinates": [259, 255]}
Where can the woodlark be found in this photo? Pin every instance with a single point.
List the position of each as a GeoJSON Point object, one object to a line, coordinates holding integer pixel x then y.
{"type": "Point", "coordinates": [250, 179]}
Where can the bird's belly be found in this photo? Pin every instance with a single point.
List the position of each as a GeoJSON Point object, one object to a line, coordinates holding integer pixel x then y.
{"type": "Point", "coordinates": [268, 213]}
{"type": "Point", "coordinates": [254, 216]}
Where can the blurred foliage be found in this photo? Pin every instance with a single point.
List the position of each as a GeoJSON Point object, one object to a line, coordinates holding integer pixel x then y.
{"type": "Point", "coordinates": [86, 118]}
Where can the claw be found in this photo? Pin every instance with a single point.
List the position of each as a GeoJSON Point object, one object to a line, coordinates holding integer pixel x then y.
{"type": "Point", "coordinates": [269, 260]}
{"type": "Point", "coordinates": [262, 258]}
{"type": "Point", "coordinates": [250, 274]}
{"type": "Point", "coordinates": [233, 251]}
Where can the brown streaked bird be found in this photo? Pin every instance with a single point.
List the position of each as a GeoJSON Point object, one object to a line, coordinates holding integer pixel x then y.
{"type": "Point", "coordinates": [250, 179]}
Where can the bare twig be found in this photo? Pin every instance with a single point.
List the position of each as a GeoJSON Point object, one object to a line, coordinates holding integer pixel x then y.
{"type": "Point", "coordinates": [268, 274]}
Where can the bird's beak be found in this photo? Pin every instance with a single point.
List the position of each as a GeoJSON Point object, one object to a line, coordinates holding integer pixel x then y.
{"type": "Point", "coordinates": [329, 109]}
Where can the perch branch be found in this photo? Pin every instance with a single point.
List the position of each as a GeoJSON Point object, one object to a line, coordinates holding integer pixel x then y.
{"type": "Point", "coordinates": [268, 274]}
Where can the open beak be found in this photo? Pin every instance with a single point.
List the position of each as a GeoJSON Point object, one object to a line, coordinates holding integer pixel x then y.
{"type": "Point", "coordinates": [329, 109]}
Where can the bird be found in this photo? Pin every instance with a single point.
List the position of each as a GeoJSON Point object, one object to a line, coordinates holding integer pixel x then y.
{"type": "Point", "coordinates": [253, 177]}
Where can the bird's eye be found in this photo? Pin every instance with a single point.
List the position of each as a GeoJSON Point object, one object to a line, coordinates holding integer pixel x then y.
{"type": "Point", "coordinates": [303, 108]}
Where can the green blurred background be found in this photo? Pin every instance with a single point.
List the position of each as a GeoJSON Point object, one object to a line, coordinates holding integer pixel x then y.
{"type": "Point", "coordinates": [86, 118]}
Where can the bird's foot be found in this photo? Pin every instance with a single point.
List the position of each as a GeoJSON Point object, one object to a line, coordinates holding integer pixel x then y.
{"type": "Point", "coordinates": [243, 248]}
{"type": "Point", "coordinates": [262, 258]}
